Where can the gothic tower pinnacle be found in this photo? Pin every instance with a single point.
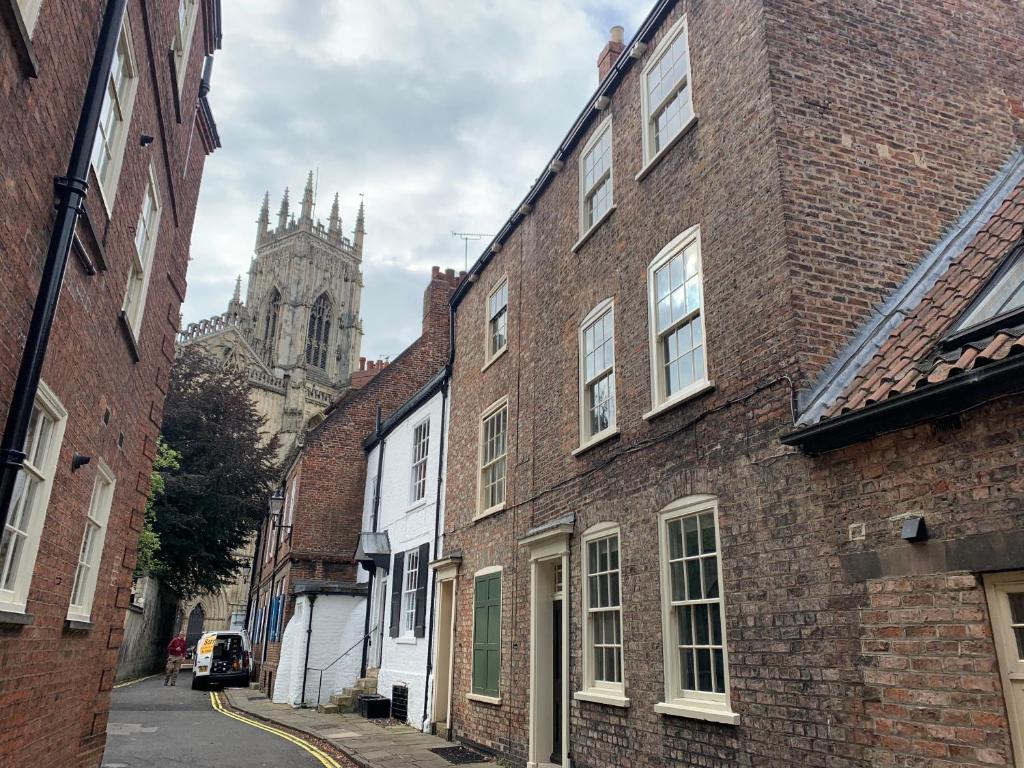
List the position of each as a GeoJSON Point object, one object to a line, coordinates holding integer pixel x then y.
{"type": "Point", "coordinates": [263, 222]}
{"type": "Point", "coordinates": [334, 223]}
{"type": "Point", "coordinates": [282, 214]}
{"type": "Point", "coordinates": [360, 228]}
{"type": "Point", "coordinates": [306, 213]}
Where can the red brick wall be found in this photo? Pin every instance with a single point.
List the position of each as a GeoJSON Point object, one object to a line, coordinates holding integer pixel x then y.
{"type": "Point", "coordinates": [89, 364]}
{"type": "Point", "coordinates": [767, 205]}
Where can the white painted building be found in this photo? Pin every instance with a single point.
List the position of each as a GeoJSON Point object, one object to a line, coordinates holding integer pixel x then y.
{"type": "Point", "coordinates": [405, 500]}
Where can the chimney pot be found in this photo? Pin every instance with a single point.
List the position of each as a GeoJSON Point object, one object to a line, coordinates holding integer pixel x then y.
{"type": "Point", "coordinates": [616, 34]}
{"type": "Point", "coordinates": [610, 53]}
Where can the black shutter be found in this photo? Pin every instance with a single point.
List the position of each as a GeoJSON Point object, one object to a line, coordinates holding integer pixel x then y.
{"type": "Point", "coordinates": [397, 566]}
{"type": "Point", "coordinates": [421, 591]}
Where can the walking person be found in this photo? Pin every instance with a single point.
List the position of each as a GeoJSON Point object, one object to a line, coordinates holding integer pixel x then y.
{"type": "Point", "coordinates": [175, 655]}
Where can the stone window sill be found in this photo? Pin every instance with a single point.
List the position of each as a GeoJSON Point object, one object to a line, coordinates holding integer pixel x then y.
{"type": "Point", "coordinates": [664, 150]}
{"type": "Point", "coordinates": [494, 358]}
{"type": "Point", "coordinates": [488, 512]}
{"type": "Point", "coordinates": [479, 697]}
{"type": "Point", "coordinates": [77, 625]}
{"type": "Point", "coordinates": [593, 228]}
{"type": "Point", "coordinates": [602, 697]}
{"type": "Point", "coordinates": [405, 640]}
{"type": "Point", "coordinates": [695, 711]}
{"type": "Point", "coordinates": [595, 441]}
{"type": "Point", "coordinates": [692, 391]}
{"type": "Point", "coordinates": [22, 40]}
{"type": "Point", "coordinates": [15, 618]}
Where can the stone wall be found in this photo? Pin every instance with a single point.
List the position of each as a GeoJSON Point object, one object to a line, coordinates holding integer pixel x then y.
{"type": "Point", "coordinates": [147, 631]}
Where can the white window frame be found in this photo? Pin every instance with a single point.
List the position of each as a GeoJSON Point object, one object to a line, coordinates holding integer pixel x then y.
{"type": "Point", "coordinates": [141, 268]}
{"type": "Point", "coordinates": [588, 438]}
{"type": "Point", "coordinates": [600, 691]}
{"type": "Point", "coordinates": [90, 554]}
{"type": "Point", "coordinates": [29, 10]}
{"type": "Point", "coordinates": [487, 415]}
{"type": "Point", "coordinates": [587, 226]}
{"type": "Point", "coordinates": [678, 701]}
{"type": "Point", "coordinates": [123, 103]}
{"type": "Point", "coordinates": [410, 581]}
{"type": "Point", "coordinates": [489, 318]}
{"type": "Point", "coordinates": [14, 600]}
{"type": "Point", "coordinates": [182, 43]}
{"type": "Point", "coordinates": [660, 400]}
{"type": "Point", "coordinates": [651, 111]}
{"type": "Point", "coordinates": [420, 456]}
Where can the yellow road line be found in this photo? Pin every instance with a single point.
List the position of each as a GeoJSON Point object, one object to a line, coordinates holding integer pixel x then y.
{"type": "Point", "coordinates": [324, 759]}
{"type": "Point", "coordinates": [137, 680]}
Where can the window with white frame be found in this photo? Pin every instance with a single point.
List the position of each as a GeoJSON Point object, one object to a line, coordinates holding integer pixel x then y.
{"type": "Point", "coordinates": [678, 364]}
{"type": "Point", "coordinates": [497, 319]}
{"type": "Point", "coordinates": [597, 373]}
{"type": "Point", "coordinates": [667, 96]}
{"type": "Point", "coordinates": [493, 450]}
{"type": "Point", "coordinates": [420, 447]}
{"type": "Point", "coordinates": [602, 610]}
{"type": "Point", "coordinates": [142, 256]}
{"type": "Point", "coordinates": [29, 10]}
{"type": "Point", "coordinates": [27, 511]}
{"type": "Point", "coordinates": [409, 584]}
{"type": "Point", "coordinates": [693, 621]}
{"type": "Point", "coordinates": [91, 551]}
{"type": "Point", "coordinates": [596, 177]}
{"type": "Point", "coordinates": [184, 28]}
{"type": "Point", "coordinates": [115, 116]}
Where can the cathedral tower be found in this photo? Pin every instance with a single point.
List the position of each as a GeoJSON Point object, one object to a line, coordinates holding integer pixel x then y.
{"type": "Point", "coordinates": [304, 291]}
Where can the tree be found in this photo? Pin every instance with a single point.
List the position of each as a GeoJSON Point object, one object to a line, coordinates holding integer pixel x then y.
{"type": "Point", "coordinates": [216, 496]}
{"type": "Point", "coordinates": [167, 460]}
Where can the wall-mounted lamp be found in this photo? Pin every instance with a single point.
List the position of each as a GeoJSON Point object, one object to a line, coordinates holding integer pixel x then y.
{"type": "Point", "coordinates": [276, 509]}
{"type": "Point", "coordinates": [145, 140]}
{"type": "Point", "coordinates": [78, 461]}
{"type": "Point", "coordinates": [914, 529]}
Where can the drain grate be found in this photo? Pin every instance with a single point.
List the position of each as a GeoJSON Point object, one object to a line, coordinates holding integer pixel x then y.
{"type": "Point", "coordinates": [459, 755]}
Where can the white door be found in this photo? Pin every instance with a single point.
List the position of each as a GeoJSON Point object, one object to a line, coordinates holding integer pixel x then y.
{"type": "Point", "coordinates": [1006, 605]}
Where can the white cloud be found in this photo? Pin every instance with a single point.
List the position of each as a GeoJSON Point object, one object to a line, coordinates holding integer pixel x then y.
{"type": "Point", "coordinates": [441, 113]}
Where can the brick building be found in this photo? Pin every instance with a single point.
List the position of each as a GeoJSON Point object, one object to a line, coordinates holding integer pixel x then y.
{"type": "Point", "coordinates": [306, 552]}
{"type": "Point", "coordinates": [648, 574]}
{"type": "Point", "coordinates": [69, 548]}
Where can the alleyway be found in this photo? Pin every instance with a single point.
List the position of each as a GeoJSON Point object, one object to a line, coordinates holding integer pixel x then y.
{"type": "Point", "coordinates": [152, 726]}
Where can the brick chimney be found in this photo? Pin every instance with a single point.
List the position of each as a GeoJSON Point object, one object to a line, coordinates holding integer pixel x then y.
{"type": "Point", "coordinates": [610, 54]}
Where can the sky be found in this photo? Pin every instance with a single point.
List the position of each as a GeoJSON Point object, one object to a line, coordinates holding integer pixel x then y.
{"type": "Point", "coordinates": [440, 112]}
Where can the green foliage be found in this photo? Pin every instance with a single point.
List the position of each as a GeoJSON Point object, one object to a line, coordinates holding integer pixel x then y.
{"type": "Point", "coordinates": [167, 460]}
{"type": "Point", "coordinates": [215, 495]}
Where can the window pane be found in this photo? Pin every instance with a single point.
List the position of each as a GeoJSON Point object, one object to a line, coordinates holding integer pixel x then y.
{"type": "Point", "coordinates": [684, 625]}
{"type": "Point", "coordinates": [690, 532]}
{"type": "Point", "coordinates": [686, 664]}
{"type": "Point", "coordinates": [707, 533]}
{"type": "Point", "coordinates": [716, 624]}
{"type": "Point", "coordinates": [710, 568]}
{"type": "Point", "coordinates": [700, 625]}
{"type": "Point", "coordinates": [675, 539]}
{"type": "Point", "coordinates": [719, 659]}
{"type": "Point", "coordinates": [1016, 607]}
{"type": "Point", "coordinates": [704, 670]}
{"type": "Point", "coordinates": [678, 581]}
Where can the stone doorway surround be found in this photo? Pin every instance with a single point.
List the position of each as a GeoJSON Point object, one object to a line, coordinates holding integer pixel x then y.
{"type": "Point", "coordinates": [446, 571]}
{"type": "Point", "coordinates": [549, 551]}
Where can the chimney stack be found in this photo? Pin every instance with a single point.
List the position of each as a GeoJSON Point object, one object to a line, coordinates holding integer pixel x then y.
{"type": "Point", "coordinates": [610, 53]}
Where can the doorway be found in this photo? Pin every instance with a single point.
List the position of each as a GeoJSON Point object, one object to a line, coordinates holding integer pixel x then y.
{"type": "Point", "coordinates": [1005, 593]}
{"type": "Point", "coordinates": [446, 571]}
{"type": "Point", "coordinates": [549, 685]}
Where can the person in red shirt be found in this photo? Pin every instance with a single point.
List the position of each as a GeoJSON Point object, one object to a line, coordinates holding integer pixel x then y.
{"type": "Point", "coordinates": [175, 655]}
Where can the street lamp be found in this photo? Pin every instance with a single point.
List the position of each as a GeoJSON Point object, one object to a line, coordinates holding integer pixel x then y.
{"type": "Point", "coordinates": [276, 509]}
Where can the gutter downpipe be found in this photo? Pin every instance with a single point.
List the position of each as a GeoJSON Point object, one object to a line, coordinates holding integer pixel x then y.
{"type": "Point", "coordinates": [437, 541]}
{"type": "Point", "coordinates": [70, 191]}
{"type": "Point", "coordinates": [309, 636]}
{"type": "Point", "coordinates": [376, 510]}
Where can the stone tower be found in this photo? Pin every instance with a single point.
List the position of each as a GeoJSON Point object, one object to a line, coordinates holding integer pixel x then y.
{"type": "Point", "coordinates": [298, 331]}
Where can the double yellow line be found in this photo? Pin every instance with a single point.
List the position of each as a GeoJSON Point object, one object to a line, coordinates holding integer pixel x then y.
{"type": "Point", "coordinates": [324, 759]}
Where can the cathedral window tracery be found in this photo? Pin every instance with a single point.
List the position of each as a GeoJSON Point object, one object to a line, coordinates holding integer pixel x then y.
{"type": "Point", "coordinates": [270, 324]}
{"type": "Point", "coordinates": [318, 332]}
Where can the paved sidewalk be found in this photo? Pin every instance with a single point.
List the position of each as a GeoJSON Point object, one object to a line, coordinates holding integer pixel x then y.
{"type": "Point", "coordinates": [368, 745]}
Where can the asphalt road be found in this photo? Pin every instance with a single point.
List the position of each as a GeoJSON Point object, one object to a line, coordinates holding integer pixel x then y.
{"type": "Point", "coordinates": [153, 726]}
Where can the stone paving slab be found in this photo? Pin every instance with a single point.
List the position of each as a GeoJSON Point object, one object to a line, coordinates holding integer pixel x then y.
{"type": "Point", "coordinates": [366, 744]}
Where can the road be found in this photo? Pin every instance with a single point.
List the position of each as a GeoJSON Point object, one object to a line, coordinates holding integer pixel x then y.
{"type": "Point", "coordinates": [153, 726]}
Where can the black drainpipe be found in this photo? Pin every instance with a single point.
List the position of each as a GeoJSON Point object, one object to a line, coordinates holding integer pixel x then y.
{"type": "Point", "coordinates": [437, 541]}
{"type": "Point", "coordinates": [376, 509]}
{"type": "Point", "coordinates": [309, 637]}
{"type": "Point", "coordinates": [70, 191]}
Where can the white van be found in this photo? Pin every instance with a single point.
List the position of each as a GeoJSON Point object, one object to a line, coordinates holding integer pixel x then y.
{"type": "Point", "coordinates": [222, 657]}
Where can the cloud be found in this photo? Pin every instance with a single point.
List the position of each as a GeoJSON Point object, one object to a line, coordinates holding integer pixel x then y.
{"type": "Point", "coordinates": [441, 113]}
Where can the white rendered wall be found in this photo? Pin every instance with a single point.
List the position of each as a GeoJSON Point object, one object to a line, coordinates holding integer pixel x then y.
{"type": "Point", "coordinates": [408, 525]}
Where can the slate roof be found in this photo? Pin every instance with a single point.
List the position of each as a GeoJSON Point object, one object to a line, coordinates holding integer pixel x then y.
{"type": "Point", "coordinates": [912, 357]}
